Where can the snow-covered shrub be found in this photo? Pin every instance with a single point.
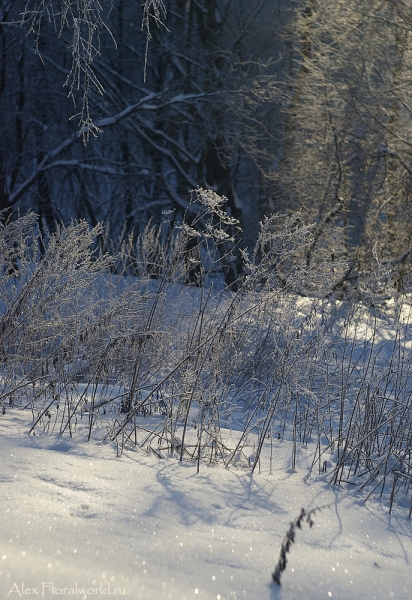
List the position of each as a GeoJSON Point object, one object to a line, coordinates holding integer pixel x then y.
{"type": "Point", "coordinates": [45, 303]}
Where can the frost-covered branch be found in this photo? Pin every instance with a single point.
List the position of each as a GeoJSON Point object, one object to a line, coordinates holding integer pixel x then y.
{"type": "Point", "coordinates": [85, 21]}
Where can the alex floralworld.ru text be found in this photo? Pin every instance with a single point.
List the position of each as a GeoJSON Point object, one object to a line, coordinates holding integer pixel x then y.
{"type": "Point", "coordinates": [50, 589]}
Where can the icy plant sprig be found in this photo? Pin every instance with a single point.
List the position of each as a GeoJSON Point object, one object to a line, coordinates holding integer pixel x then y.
{"type": "Point", "coordinates": [289, 539]}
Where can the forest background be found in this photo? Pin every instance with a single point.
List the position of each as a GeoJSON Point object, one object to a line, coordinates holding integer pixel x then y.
{"type": "Point", "coordinates": [279, 105]}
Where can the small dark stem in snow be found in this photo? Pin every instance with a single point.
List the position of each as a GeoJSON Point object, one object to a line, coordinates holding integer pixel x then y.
{"type": "Point", "coordinates": [290, 538]}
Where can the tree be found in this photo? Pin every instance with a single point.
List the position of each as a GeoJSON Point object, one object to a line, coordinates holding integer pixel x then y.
{"type": "Point", "coordinates": [346, 151]}
{"type": "Point", "coordinates": [195, 114]}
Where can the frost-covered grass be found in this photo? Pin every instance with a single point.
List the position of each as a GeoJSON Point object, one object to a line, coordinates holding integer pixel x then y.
{"type": "Point", "coordinates": [143, 352]}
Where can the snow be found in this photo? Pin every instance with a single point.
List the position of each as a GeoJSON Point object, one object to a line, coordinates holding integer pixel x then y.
{"type": "Point", "coordinates": [77, 520]}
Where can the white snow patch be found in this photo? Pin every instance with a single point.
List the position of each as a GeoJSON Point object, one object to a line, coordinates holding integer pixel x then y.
{"type": "Point", "coordinates": [79, 521]}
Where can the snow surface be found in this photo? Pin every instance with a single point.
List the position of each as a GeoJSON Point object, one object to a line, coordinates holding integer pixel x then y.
{"type": "Point", "coordinates": [79, 521]}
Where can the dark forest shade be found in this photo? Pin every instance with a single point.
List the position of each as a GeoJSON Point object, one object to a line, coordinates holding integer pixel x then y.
{"type": "Point", "coordinates": [281, 106]}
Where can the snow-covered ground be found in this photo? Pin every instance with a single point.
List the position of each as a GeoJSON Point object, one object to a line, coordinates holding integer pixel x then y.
{"type": "Point", "coordinates": [79, 521]}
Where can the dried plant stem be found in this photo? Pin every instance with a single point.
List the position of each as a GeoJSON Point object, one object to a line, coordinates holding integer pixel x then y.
{"type": "Point", "coordinates": [291, 536]}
